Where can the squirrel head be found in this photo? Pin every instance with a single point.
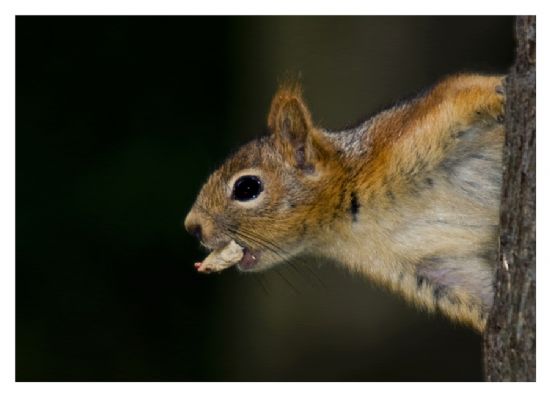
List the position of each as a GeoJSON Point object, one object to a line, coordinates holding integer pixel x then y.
{"type": "Point", "coordinates": [274, 194]}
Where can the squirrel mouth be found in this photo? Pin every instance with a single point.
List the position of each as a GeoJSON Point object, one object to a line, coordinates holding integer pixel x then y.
{"type": "Point", "coordinates": [227, 256]}
{"type": "Point", "coordinates": [249, 260]}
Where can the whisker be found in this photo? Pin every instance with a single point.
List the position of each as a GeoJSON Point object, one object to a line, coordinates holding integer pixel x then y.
{"type": "Point", "coordinates": [317, 277]}
{"type": "Point", "coordinates": [256, 240]}
{"type": "Point", "coordinates": [249, 235]}
{"type": "Point", "coordinates": [287, 281]}
{"type": "Point", "coordinates": [258, 277]}
{"type": "Point", "coordinates": [281, 253]}
{"type": "Point", "coordinates": [286, 257]}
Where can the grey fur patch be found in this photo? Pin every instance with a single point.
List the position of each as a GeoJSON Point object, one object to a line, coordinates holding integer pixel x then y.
{"type": "Point", "coordinates": [473, 168]}
{"type": "Point", "coordinates": [440, 291]}
{"type": "Point", "coordinates": [469, 274]}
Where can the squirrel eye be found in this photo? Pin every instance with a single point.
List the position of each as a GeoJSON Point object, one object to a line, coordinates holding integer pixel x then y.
{"type": "Point", "coordinates": [247, 188]}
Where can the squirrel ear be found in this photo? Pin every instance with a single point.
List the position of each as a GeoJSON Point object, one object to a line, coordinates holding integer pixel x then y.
{"type": "Point", "coordinates": [290, 121]}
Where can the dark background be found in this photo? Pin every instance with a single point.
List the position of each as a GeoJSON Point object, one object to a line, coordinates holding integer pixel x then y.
{"type": "Point", "coordinates": [120, 120]}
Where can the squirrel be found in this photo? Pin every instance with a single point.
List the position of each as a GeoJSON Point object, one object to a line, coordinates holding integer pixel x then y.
{"type": "Point", "coordinates": [409, 198]}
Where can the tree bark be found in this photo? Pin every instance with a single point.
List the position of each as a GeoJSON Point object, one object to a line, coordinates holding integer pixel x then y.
{"type": "Point", "coordinates": [510, 337]}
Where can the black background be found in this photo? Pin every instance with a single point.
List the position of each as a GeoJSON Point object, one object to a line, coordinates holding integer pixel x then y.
{"type": "Point", "coordinates": [120, 120]}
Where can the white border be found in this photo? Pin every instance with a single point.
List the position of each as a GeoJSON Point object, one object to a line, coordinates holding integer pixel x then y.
{"type": "Point", "coordinates": [289, 7]}
{"type": "Point", "coordinates": [243, 7]}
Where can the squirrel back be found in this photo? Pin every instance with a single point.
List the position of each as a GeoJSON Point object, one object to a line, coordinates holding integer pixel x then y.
{"type": "Point", "coordinates": [409, 198]}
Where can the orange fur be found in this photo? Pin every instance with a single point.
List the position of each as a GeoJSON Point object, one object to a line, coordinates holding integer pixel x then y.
{"type": "Point", "coordinates": [409, 199]}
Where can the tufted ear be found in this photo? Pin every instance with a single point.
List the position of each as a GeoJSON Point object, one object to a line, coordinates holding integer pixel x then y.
{"type": "Point", "coordinates": [295, 136]}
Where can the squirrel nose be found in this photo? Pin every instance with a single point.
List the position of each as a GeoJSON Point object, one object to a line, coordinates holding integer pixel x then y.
{"type": "Point", "coordinates": [195, 230]}
{"type": "Point", "coordinates": [193, 226]}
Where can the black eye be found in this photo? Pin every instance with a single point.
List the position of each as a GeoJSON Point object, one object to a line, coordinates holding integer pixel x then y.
{"type": "Point", "coordinates": [247, 188]}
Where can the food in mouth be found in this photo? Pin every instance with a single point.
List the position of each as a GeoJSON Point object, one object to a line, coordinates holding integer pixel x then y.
{"type": "Point", "coordinates": [222, 258]}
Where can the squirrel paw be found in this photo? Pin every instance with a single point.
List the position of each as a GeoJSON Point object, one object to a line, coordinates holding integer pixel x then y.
{"type": "Point", "coordinates": [493, 100]}
{"type": "Point", "coordinates": [477, 98]}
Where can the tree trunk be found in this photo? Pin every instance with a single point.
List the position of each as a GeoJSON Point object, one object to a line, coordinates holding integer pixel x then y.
{"type": "Point", "coordinates": [510, 336]}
